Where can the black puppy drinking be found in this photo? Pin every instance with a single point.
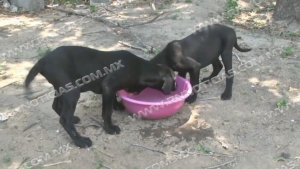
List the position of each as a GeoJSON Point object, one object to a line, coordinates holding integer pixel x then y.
{"type": "Point", "coordinates": [67, 65]}
{"type": "Point", "coordinates": [199, 50]}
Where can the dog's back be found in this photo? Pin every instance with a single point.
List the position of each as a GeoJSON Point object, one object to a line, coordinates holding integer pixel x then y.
{"type": "Point", "coordinates": [68, 63]}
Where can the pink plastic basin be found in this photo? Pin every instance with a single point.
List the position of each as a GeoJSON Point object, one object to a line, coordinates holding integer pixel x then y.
{"type": "Point", "coordinates": [153, 104]}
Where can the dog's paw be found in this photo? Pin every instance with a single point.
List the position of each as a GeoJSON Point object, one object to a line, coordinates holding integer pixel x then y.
{"type": "Point", "coordinates": [191, 99]}
{"type": "Point", "coordinates": [83, 142]}
{"type": "Point", "coordinates": [118, 106]}
{"type": "Point", "coordinates": [76, 120]}
{"type": "Point", "coordinates": [112, 129]}
{"type": "Point", "coordinates": [226, 96]}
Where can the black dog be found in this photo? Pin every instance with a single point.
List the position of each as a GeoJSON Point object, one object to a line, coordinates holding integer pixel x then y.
{"type": "Point", "coordinates": [199, 50]}
{"type": "Point", "coordinates": [68, 65]}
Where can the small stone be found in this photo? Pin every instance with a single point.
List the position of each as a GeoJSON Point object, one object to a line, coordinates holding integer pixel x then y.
{"type": "Point", "coordinates": [285, 155]}
{"type": "Point", "coordinates": [6, 4]}
{"type": "Point", "coordinates": [14, 9]}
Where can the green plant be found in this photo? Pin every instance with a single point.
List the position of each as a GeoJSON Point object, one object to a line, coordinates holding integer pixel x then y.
{"type": "Point", "coordinates": [93, 8]}
{"type": "Point", "coordinates": [188, 1]}
{"type": "Point", "coordinates": [6, 159]}
{"type": "Point", "coordinates": [100, 162]}
{"type": "Point", "coordinates": [204, 149]}
{"type": "Point", "coordinates": [232, 9]}
{"type": "Point", "coordinates": [205, 69]}
{"type": "Point", "coordinates": [297, 65]}
{"type": "Point", "coordinates": [42, 52]}
{"type": "Point", "coordinates": [2, 65]}
{"type": "Point", "coordinates": [28, 165]}
{"type": "Point", "coordinates": [127, 150]}
{"type": "Point", "coordinates": [156, 51]}
{"type": "Point", "coordinates": [282, 103]}
{"type": "Point", "coordinates": [287, 51]}
{"type": "Point", "coordinates": [175, 16]}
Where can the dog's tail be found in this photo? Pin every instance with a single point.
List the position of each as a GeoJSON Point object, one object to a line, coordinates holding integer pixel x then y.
{"type": "Point", "coordinates": [31, 75]}
{"type": "Point", "coordinates": [241, 49]}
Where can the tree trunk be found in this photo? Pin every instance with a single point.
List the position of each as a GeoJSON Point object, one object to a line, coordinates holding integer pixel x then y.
{"type": "Point", "coordinates": [287, 9]}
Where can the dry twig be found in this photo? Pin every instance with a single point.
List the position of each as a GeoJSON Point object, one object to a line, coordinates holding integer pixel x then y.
{"type": "Point", "coordinates": [97, 18]}
{"type": "Point", "coordinates": [147, 148]}
{"type": "Point", "coordinates": [112, 24]}
{"type": "Point", "coordinates": [23, 162]}
{"type": "Point", "coordinates": [144, 23]}
{"type": "Point", "coordinates": [47, 165]}
{"type": "Point", "coordinates": [88, 33]}
{"type": "Point", "coordinates": [104, 152]}
{"type": "Point", "coordinates": [213, 98]}
{"type": "Point", "coordinates": [217, 166]}
{"type": "Point", "coordinates": [99, 122]}
{"type": "Point", "coordinates": [133, 47]}
{"type": "Point", "coordinates": [29, 126]}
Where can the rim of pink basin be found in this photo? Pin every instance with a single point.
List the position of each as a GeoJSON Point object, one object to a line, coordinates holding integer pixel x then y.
{"type": "Point", "coordinates": [187, 91]}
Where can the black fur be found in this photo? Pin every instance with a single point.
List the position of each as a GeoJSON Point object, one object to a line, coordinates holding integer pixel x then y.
{"type": "Point", "coordinates": [65, 65]}
{"type": "Point", "coordinates": [199, 50]}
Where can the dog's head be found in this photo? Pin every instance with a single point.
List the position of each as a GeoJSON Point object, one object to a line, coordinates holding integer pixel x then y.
{"type": "Point", "coordinates": [166, 80]}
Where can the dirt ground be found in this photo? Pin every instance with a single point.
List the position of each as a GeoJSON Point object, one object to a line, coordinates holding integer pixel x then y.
{"type": "Point", "coordinates": [247, 129]}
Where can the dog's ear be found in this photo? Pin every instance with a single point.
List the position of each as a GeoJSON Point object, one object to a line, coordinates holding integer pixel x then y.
{"type": "Point", "coordinates": [167, 86]}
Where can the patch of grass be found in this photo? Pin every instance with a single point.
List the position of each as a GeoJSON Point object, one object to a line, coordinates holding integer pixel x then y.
{"type": "Point", "coordinates": [42, 52]}
{"type": "Point", "coordinates": [94, 97]}
{"type": "Point", "coordinates": [66, 1]}
{"type": "Point", "coordinates": [86, 105]}
{"type": "Point", "coordinates": [205, 69]}
{"type": "Point", "coordinates": [156, 51]}
{"type": "Point", "coordinates": [297, 65]}
{"type": "Point", "coordinates": [204, 149]}
{"type": "Point", "coordinates": [232, 9]}
{"type": "Point", "coordinates": [127, 150]}
{"type": "Point", "coordinates": [2, 65]}
{"type": "Point", "coordinates": [99, 162]}
{"type": "Point", "coordinates": [175, 16]}
{"type": "Point", "coordinates": [287, 51]}
{"type": "Point", "coordinates": [28, 165]}
{"type": "Point", "coordinates": [93, 8]}
{"type": "Point", "coordinates": [188, 1]}
{"type": "Point", "coordinates": [282, 103]}
{"type": "Point", "coordinates": [6, 159]}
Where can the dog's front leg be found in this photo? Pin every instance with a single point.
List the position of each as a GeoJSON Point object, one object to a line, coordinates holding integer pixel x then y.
{"type": "Point", "coordinates": [187, 63]}
{"type": "Point", "coordinates": [118, 105]}
{"type": "Point", "coordinates": [194, 80]}
{"type": "Point", "coordinates": [108, 98]}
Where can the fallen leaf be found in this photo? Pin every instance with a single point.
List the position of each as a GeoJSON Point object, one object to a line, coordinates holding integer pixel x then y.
{"type": "Point", "coordinates": [293, 89]}
{"type": "Point", "coordinates": [279, 159]}
{"type": "Point", "coordinates": [224, 145]}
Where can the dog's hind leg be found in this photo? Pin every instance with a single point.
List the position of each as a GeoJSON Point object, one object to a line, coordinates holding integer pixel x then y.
{"type": "Point", "coordinates": [217, 67]}
{"type": "Point", "coordinates": [227, 61]}
{"type": "Point", "coordinates": [68, 102]}
{"type": "Point", "coordinates": [57, 108]}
